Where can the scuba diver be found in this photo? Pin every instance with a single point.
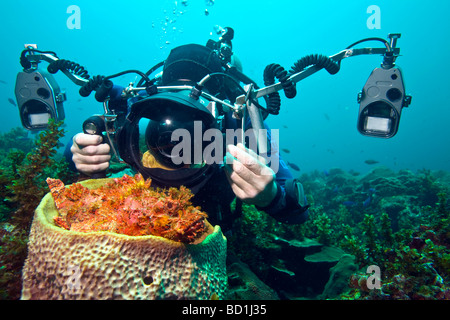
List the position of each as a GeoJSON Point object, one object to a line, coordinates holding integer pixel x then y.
{"type": "Point", "coordinates": [244, 175]}
{"type": "Point", "coordinates": [200, 91]}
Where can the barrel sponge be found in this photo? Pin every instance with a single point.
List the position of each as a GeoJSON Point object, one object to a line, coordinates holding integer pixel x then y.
{"type": "Point", "coordinates": [63, 264]}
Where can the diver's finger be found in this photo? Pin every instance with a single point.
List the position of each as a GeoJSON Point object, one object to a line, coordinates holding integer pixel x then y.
{"type": "Point", "coordinates": [235, 176]}
{"type": "Point", "coordinates": [97, 159]}
{"type": "Point", "coordinates": [83, 139]}
{"type": "Point", "coordinates": [249, 161]}
{"type": "Point", "coordinates": [237, 190]}
{"type": "Point", "coordinates": [262, 169]}
{"type": "Point", "coordinates": [249, 184]}
{"type": "Point", "coordinates": [91, 150]}
{"type": "Point", "coordinates": [252, 153]}
{"type": "Point", "coordinates": [237, 167]}
{"type": "Point", "coordinates": [90, 168]}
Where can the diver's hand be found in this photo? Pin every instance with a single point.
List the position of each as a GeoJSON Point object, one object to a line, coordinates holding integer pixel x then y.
{"type": "Point", "coordinates": [89, 154]}
{"type": "Point", "coordinates": [251, 180]}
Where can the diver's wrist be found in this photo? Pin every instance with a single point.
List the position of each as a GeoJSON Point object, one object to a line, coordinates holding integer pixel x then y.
{"type": "Point", "coordinates": [268, 195]}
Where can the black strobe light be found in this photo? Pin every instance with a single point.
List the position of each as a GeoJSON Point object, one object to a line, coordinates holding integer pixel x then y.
{"type": "Point", "coordinates": [381, 102]}
{"type": "Point", "coordinates": [39, 99]}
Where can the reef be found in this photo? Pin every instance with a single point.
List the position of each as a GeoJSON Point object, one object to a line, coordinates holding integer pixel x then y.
{"type": "Point", "coordinates": [74, 265]}
{"type": "Point", "coordinates": [26, 166]}
{"type": "Point", "coordinates": [397, 221]}
{"type": "Point", "coordinates": [25, 161]}
{"type": "Point", "coordinates": [130, 206]}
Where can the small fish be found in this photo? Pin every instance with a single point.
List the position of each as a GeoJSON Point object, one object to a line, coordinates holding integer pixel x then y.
{"type": "Point", "coordinates": [293, 166]}
{"type": "Point", "coordinates": [286, 150]}
{"type": "Point", "coordinates": [285, 126]}
{"type": "Point", "coordinates": [326, 173]}
{"type": "Point", "coordinates": [349, 203]}
{"type": "Point", "coordinates": [370, 161]}
{"type": "Point", "coordinates": [354, 173]}
{"type": "Point", "coordinates": [3, 82]}
{"type": "Point", "coordinates": [372, 190]}
{"type": "Point", "coordinates": [206, 12]}
{"type": "Point", "coordinates": [12, 102]}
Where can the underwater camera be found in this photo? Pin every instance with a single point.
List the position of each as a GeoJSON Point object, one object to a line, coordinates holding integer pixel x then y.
{"type": "Point", "coordinates": [381, 102]}
{"type": "Point", "coordinates": [382, 99]}
{"type": "Point", "coordinates": [197, 91]}
{"type": "Point", "coordinates": [38, 97]}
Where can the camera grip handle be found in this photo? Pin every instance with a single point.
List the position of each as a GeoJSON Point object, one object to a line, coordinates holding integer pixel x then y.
{"type": "Point", "coordinates": [95, 125]}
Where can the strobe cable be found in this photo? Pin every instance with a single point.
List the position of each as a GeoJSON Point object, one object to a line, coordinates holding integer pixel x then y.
{"type": "Point", "coordinates": [25, 63]}
{"type": "Point", "coordinates": [274, 101]}
{"type": "Point", "coordinates": [73, 67]}
{"type": "Point", "coordinates": [92, 85]}
{"type": "Point", "coordinates": [386, 43]}
{"type": "Point", "coordinates": [103, 85]}
{"type": "Point", "coordinates": [318, 60]}
{"type": "Point", "coordinates": [275, 70]}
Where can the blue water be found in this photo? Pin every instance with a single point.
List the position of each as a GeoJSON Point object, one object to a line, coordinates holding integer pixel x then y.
{"type": "Point", "coordinates": [319, 125]}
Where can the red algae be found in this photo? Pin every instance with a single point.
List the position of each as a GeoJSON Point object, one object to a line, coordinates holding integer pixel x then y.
{"type": "Point", "coordinates": [130, 206]}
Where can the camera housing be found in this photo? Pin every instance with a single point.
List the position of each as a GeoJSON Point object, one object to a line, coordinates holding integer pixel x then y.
{"type": "Point", "coordinates": [381, 102]}
{"type": "Point", "coordinates": [39, 99]}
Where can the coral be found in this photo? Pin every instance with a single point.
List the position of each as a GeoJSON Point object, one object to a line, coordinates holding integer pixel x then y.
{"type": "Point", "coordinates": [386, 229]}
{"type": "Point", "coordinates": [13, 247]}
{"type": "Point", "coordinates": [370, 234]}
{"type": "Point", "coordinates": [415, 263]}
{"type": "Point", "coordinates": [129, 206]}
{"type": "Point", "coordinates": [28, 188]}
{"type": "Point", "coordinates": [339, 277]}
{"type": "Point", "coordinates": [428, 188]}
{"type": "Point", "coordinates": [324, 229]}
{"type": "Point", "coordinates": [65, 264]}
{"type": "Point", "coordinates": [404, 229]}
{"type": "Point", "coordinates": [16, 139]}
{"type": "Point", "coordinates": [245, 285]}
{"type": "Point", "coordinates": [24, 165]}
{"type": "Point", "coordinates": [352, 243]}
{"type": "Point", "coordinates": [251, 239]}
{"type": "Point", "coordinates": [5, 193]}
{"type": "Point", "coordinates": [302, 268]}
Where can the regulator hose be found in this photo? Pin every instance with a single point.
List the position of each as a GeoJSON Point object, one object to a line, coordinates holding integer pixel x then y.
{"type": "Point", "coordinates": [71, 66]}
{"type": "Point", "coordinates": [318, 60]}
